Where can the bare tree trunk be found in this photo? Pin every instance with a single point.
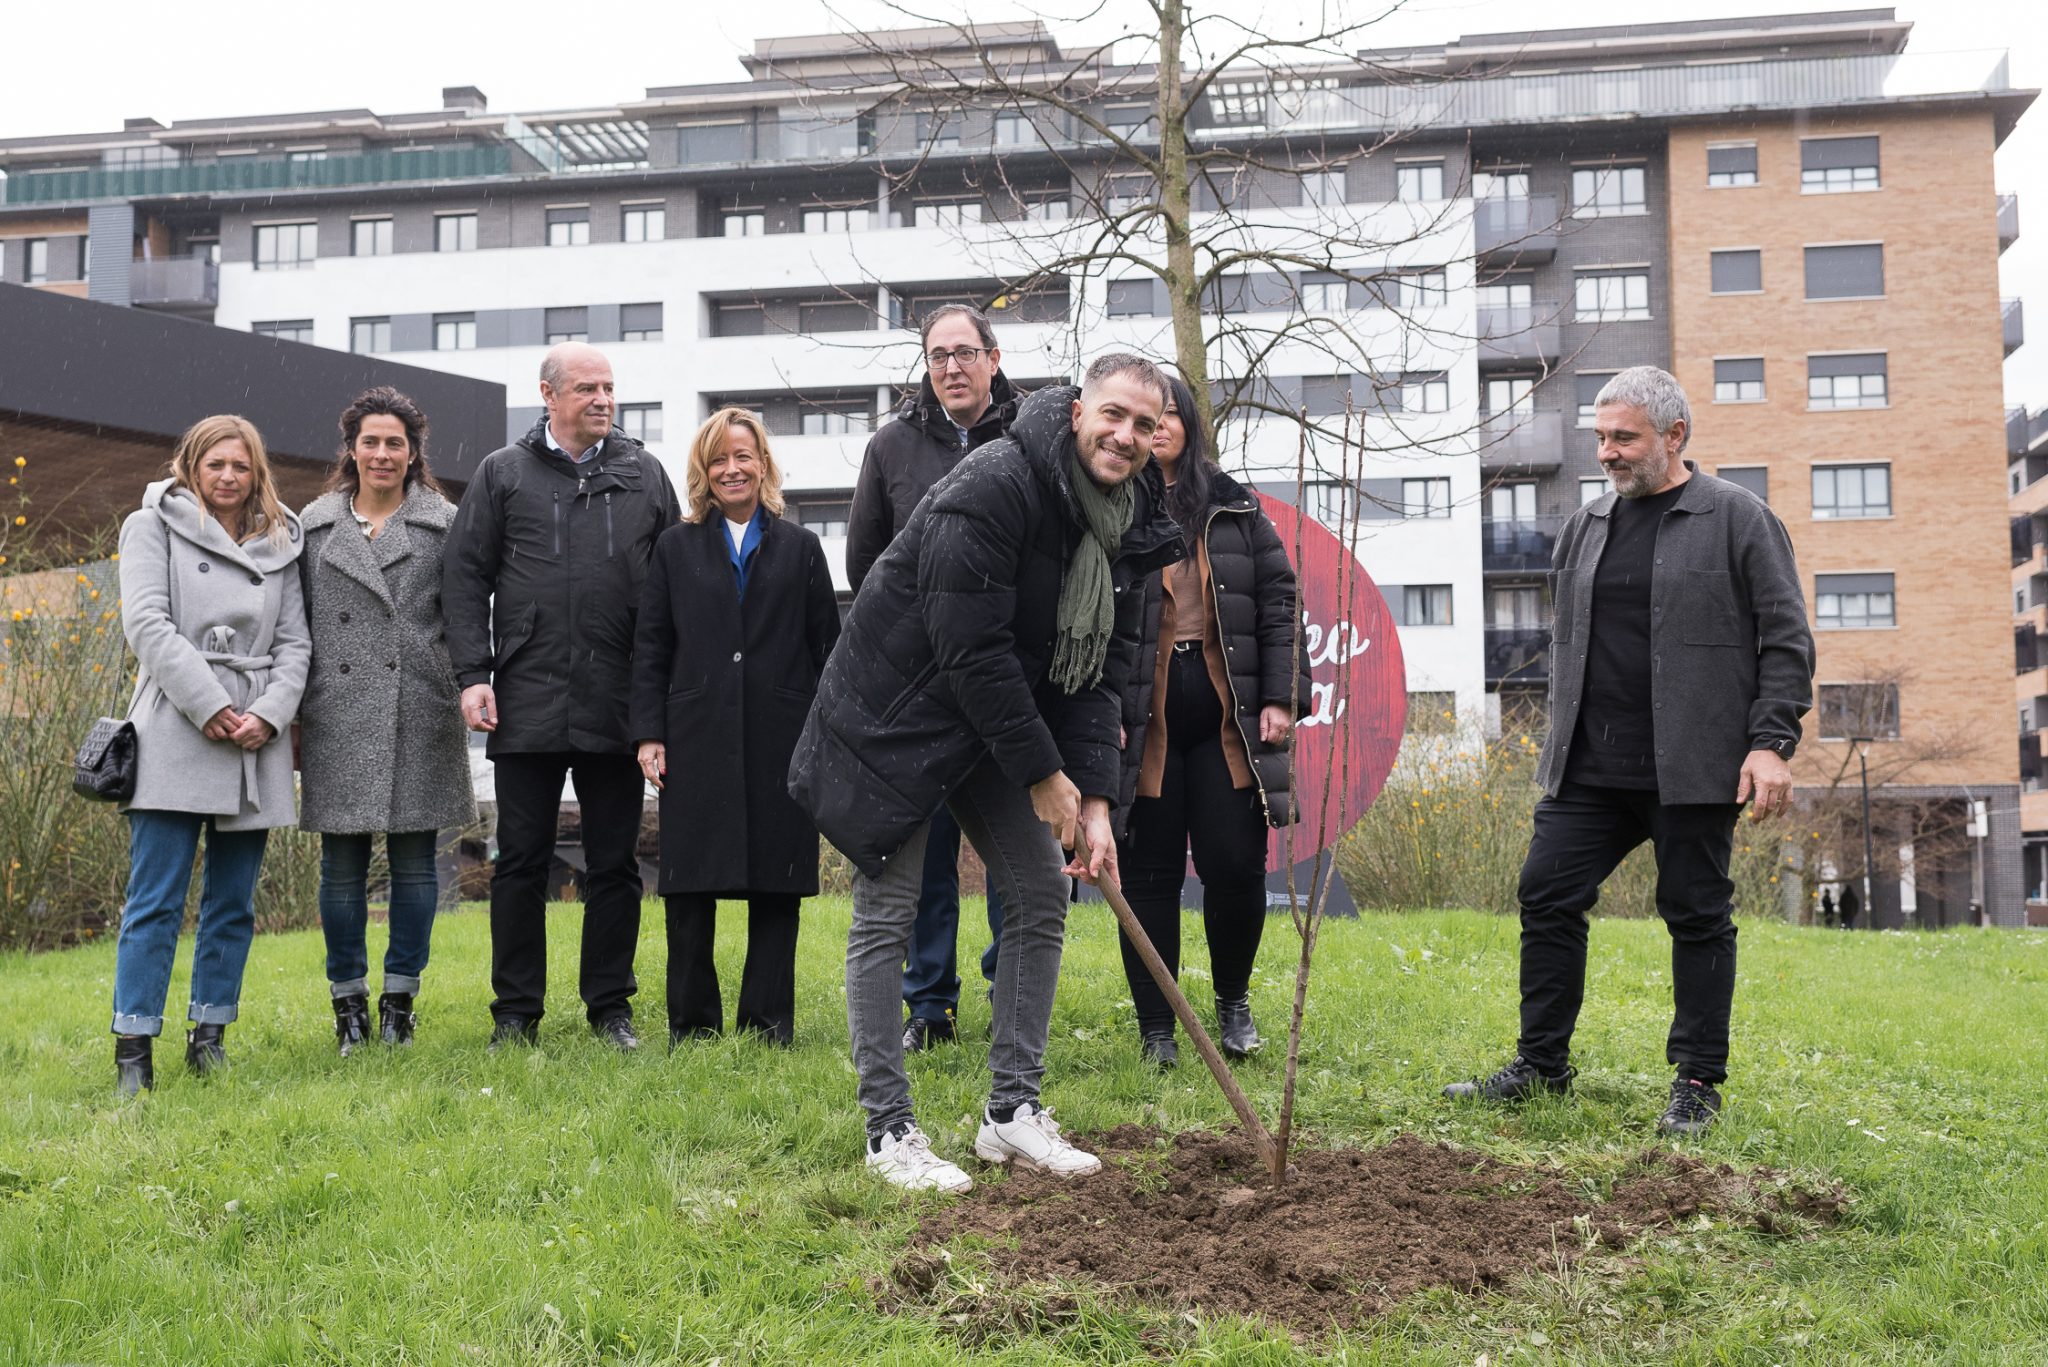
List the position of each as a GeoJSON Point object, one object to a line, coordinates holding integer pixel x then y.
{"type": "Point", "coordinates": [1183, 281]}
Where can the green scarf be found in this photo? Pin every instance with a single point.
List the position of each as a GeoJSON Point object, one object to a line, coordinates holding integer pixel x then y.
{"type": "Point", "coordinates": [1087, 610]}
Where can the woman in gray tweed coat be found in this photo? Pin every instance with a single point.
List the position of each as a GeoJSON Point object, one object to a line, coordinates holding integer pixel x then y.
{"type": "Point", "coordinates": [382, 748]}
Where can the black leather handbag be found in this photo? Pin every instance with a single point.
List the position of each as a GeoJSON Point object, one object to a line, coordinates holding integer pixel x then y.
{"type": "Point", "coordinates": [105, 768]}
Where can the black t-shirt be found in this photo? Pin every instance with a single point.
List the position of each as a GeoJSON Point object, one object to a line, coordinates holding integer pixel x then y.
{"type": "Point", "coordinates": [1615, 743]}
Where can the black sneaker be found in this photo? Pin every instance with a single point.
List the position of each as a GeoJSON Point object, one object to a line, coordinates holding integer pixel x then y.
{"type": "Point", "coordinates": [1518, 1081]}
{"type": "Point", "coordinates": [617, 1031]}
{"type": "Point", "coordinates": [923, 1032]}
{"type": "Point", "coordinates": [1695, 1105]}
{"type": "Point", "coordinates": [514, 1030]}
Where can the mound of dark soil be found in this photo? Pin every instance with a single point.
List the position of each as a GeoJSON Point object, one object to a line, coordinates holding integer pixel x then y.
{"type": "Point", "coordinates": [1192, 1223]}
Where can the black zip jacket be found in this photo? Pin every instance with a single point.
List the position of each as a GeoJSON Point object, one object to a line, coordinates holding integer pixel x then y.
{"type": "Point", "coordinates": [540, 588]}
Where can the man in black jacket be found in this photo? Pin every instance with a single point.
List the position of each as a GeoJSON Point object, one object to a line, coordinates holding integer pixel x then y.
{"type": "Point", "coordinates": [1680, 667]}
{"type": "Point", "coordinates": [981, 669]}
{"type": "Point", "coordinates": [964, 402]}
{"type": "Point", "coordinates": [540, 586]}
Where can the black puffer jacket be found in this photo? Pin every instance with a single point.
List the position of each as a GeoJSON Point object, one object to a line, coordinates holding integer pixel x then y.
{"type": "Point", "coordinates": [946, 652]}
{"type": "Point", "coordinates": [1254, 603]}
{"type": "Point", "coordinates": [905, 459]}
{"type": "Point", "coordinates": [541, 584]}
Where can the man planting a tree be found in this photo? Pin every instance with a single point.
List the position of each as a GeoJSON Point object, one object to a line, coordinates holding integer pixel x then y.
{"type": "Point", "coordinates": [981, 670]}
{"type": "Point", "coordinates": [1681, 665]}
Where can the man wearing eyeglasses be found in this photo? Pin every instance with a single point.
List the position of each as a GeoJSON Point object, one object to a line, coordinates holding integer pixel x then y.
{"type": "Point", "coordinates": [964, 401]}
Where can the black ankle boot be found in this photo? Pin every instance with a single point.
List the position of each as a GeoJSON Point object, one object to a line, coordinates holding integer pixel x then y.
{"type": "Point", "coordinates": [1240, 1038]}
{"type": "Point", "coordinates": [1159, 1049]}
{"type": "Point", "coordinates": [206, 1048]}
{"type": "Point", "coordinates": [396, 1018]}
{"type": "Point", "coordinates": [133, 1069]}
{"type": "Point", "coordinates": [351, 1022]}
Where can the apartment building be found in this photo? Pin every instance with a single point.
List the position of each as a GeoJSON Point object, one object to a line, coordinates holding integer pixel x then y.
{"type": "Point", "coordinates": [1774, 207]}
{"type": "Point", "coordinates": [2026, 448]}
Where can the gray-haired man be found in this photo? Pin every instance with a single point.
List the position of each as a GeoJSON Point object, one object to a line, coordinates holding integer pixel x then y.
{"type": "Point", "coordinates": [1680, 667]}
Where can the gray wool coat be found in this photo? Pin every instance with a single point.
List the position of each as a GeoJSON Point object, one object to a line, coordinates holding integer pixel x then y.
{"type": "Point", "coordinates": [213, 624]}
{"type": "Point", "coordinates": [382, 746]}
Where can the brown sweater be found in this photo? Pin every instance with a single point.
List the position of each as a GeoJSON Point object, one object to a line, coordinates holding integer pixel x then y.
{"type": "Point", "coordinates": [1186, 600]}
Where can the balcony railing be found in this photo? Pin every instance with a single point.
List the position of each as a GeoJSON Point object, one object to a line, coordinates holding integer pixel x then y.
{"type": "Point", "coordinates": [1524, 335]}
{"type": "Point", "coordinates": [1517, 655]}
{"type": "Point", "coordinates": [1530, 438]}
{"type": "Point", "coordinates": [1523, 230]}
{"type": "Point", "coordinates": [239, 175]}
{"type": "Point", "coordinates": [2011, 315]}
{"type": "Point", "coordinates": [190, 282]}
{"type": "Point", "coordinates": [2027, 654]}
{"type": "Point", "coordinates": [1517, 546]}
{"type": "Point", "coordinates": [2025, 540]}
{"type": "Point", "coordinates": [2008, 220]}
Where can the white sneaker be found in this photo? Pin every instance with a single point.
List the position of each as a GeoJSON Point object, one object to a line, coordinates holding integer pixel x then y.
{"type": "Point", "coordinates": [906, 1160]}
{"type": "Point", "coordinates": [1032, 1139]}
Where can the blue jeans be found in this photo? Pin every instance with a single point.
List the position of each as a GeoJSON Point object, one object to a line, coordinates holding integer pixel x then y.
{"type": "Point", "coordinates": [345, 909]}
{"type": "Point", "coordinates": [161, 850]}
{"type": "Point", "coordinates": [931, 978]}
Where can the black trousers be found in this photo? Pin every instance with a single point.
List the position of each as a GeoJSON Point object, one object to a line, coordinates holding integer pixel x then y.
{"type": "Point", "coordinates": [608, 787]}
{"type": "Point", "coordinates": [1580, 836]}
{"type": "Point", "coordinates": [1225, 826]}
{"type": "Point", "coordinates": [767, 982]}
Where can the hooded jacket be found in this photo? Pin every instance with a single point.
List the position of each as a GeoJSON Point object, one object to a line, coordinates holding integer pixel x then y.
{"type": "Point", "coordinates": [905, 459]}
{"type": "Point", "coordinates": [946, 653]}
{"type": "Point", "coordinates": [540, 587]}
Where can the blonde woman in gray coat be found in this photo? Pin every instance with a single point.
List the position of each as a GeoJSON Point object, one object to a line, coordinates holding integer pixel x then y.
{"type": "Point", "coordinates": [382, 747]}
{"type": "Point", "coordinates": [211, 604]}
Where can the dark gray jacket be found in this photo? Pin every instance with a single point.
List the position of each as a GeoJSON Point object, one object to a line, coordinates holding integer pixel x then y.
{"type": "Point", "coordinates": [1730, 653]}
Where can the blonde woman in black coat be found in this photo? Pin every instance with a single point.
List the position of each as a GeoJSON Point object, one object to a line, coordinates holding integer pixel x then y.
{"type": "Point", "coordinates": [736, 619]}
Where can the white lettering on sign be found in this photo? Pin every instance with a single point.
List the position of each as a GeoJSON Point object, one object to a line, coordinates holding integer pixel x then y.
{"type": "Point", "coordinates": [1338, 645]}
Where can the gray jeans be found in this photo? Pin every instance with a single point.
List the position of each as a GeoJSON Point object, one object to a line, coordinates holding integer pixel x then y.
{"type": "Point", "coordinates": [1024, 862]}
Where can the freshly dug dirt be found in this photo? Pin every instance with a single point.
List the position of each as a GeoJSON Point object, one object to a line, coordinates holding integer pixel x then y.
{"type": "Point", "coordinates": [1191, 1222]}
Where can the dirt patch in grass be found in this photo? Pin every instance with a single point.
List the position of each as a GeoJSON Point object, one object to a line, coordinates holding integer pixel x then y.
{"type": "Point", "coordinates": [1190, 1222]}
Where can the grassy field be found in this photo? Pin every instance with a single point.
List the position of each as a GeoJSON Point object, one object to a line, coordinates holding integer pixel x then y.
{"type": "Point", "coordinates": [572, 1205]}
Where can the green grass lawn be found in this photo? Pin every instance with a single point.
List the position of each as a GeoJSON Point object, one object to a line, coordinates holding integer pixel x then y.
{"type": "Point", "coordinates": [572, 1205]}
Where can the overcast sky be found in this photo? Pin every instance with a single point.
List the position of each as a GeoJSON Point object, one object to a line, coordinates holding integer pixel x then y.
{"type": "Point", "coordinates": [393, 56]}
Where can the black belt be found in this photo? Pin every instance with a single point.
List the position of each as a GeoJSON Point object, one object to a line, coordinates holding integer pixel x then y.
{"type": "Point", "coordinates": [1184, 647]}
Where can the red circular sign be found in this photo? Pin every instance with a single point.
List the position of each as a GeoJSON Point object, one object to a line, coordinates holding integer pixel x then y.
{"type": "Point", "coordinates": [1360, 686]}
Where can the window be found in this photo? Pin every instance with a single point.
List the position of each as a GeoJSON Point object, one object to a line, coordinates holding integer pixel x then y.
{"type": "Point", "coordinates": [1855, 381]}
{"type": "Point", "coordinates": [1324, 189]}
{"type": "Point", "coordinates": [306, 155]}
{"type": "Point", "coordinates": [1333, 396]}
{"type": "Point", "coordinates": [1852, 491]}
{"type": "Point", "coordinates": [1320, 295]}
{"type": "Point", "coordinates": [1755, 478]}
{"type": "Point", "coordinates": [457, 332]}
{"type": "Point", "coordinates": [1590, 489]}
{"type": "Point", "coordinates": [1122, 194]}
{"type": "Point", "coordinates": [1855, 271]}
{"type": "Point", "coordinates": [641, 422]}
{"type": "Point", "coordinates": [836, 220]}
{"type": "Point", "coordinates": [1500, 183]}
{"type": "Point", "coordinates": [1015, 130]}
{"type": "Point", "coordinates": [1506, 393]}
{"type": "Point", "coordinates": [85, 258]}
{"type": "Point", "coordinates": [1426, 497]}
{"type": "Point", "coordinates": [824, 517]}
{"type": "Point", "coordinates": [288, 330]}
{"type": "Point", "coordinates": [834, 421]}
{"type": "Point", "coordinates": [38, 251]}
{"type": "Point", "coordinates": [1830, 166]}
{"type": "Point", "coordinates": [455, 233]}
{"type": "Point", "coordinates": [1511, 294]}
{"type": "Point", "coordinates": [1048, 209]}
{"type": "Point", "coordinates": [1612, 296]}
{"type": "Point", "coordinates": [1239, 104]}
{"type": "Point", "coordinates": [369, 336]}
{"type": "Point", "coordinates": [1132, 298]}
{"type": "Point", "coordinates": [1606, 191]}
{"type": "Point", "coordinates": [569, 227]}
{"type": "Point", "coordinates": [739, 320]}
{"type": "Point", "coordinates": [1419, 289]}
{"type": "Point", "coordinates": [835, 315]}
{"type": "Point", "coordinates": [1511, 502]}
{"type": "Point", "coordinates": [138, 158]}
{"type": "Point", "coordinates": [1731, 164]}
{"type": "Point", "coordinates": [1426, 605]}
{"type": "Point", "coordinates": [566, 325]}
{"type": "Point", "coordinates": [286, 246]}
{"type": "Point", "coordinates": [643, 223]}
{"type": "Point", "coordinates": [1419, 180]}
{"type": "Point", "coordinates": [1424, 393]}
{"type": "Point", "coordinates": [743, 223]}
{"type": "Point", "coordinates": [1853, 710]}
{"type": "Point", "coordinates": [370, 237]}
{"type": "Point", "coordinates": [1738, 271]}
{"type": "Point", "coordinates": [1853, 602]}
{"type": "Point", "coordinates": [1739, 381]}
{"type": "Point", "coordinates": [639, 322]}
{"type": "Point", "coordinates": [1588, 385]}
{"type": "Point", "coordinates": [1331, 504]}
{"type": "Point", "coordinates": [949, 213]}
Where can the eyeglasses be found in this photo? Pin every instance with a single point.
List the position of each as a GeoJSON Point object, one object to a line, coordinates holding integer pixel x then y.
{"type": "Point", "coordinates": [962, 356]}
